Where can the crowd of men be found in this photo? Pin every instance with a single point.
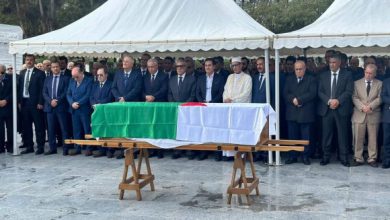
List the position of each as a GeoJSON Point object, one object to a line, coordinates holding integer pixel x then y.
{"type": "Point", "coordinates": [335, 104]}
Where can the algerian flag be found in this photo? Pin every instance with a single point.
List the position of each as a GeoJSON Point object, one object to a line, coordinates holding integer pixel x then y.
{"type": "Point", "coordinates": [181, 124]}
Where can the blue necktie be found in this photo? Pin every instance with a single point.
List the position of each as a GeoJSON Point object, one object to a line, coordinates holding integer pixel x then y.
{"type": "Point", "coordinates": [55, 87]}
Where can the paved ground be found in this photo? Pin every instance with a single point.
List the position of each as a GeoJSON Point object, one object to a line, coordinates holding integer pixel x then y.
{"type": "Point", "coordinates": [58, 187]}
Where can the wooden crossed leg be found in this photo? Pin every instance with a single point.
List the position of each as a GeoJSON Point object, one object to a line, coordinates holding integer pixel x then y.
{"type": "Point", "coordinates": [137, 181]}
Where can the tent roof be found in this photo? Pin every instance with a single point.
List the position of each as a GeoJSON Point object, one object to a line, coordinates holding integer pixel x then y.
{"type": "Point", "coordinates": [10, 33]}
{"type": "Point", "coordinates": [350, 24]}
{"type": "Point", "coordinates": [160, 26]}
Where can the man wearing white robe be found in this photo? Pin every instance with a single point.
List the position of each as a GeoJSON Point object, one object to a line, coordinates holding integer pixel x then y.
{"type": "Point", "coordinates": [238, 89]}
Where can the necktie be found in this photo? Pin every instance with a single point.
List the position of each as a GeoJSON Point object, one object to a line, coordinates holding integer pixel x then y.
{"type": "Point", "coordinates": [299, 79]}
{"type": "Point", "coordinates": [26, 84]}
{"type": "Point", "coordinates": [143, 72]}
{"type": "Point", "coordinates": [334, 85]}
{"type": "Point", "coordinates": [152, 79]}
{"type": "Point", "coordinates": [101, 85]}
{"type": "Point", "coordinates": [261, 80]}
{"type": "Point", "coordinates": [180, 81]}
{"type": "Point", "coordinates": [368, 87]}
{"type": "Point", "coordinates": [54, 92]}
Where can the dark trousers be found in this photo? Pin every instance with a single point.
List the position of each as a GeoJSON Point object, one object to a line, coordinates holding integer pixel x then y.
{"type": "Point", "coordinates": [81, 125]}
{"type": "Point", "coordinates": [30, 115]}
{"type": "Point", "coordinates": [6, 121]}
{"type": "Point", "coordinates": [332, 118]}
{"type": "Point", "coordinates": [300, 131]}
{"type": "Point", "coordinates": [55, 119]}
{"type": "Point", "coordinates": [386, 143]}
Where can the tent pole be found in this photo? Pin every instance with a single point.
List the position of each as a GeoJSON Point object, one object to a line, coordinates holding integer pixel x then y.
{"type": "Point", "coordinates": [277, 102]}
{"type": "Point", "coordinates": [14, 107]}
{"type": "Point", "coordinates": [267, 92]}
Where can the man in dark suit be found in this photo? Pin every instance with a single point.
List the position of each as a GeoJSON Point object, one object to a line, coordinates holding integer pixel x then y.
{"type": "Point", "coordinates": [299, 95]}
{"type": "Point", "coordinates": [210, 85]}
{"type": "Point", "coordinates": [219, 67]}
{"type": "Point", "coordinates": [209, 88]}
{"type": "Point", "coordinates": [6, 111]}
{"type": "Point", "coordinates": [143, 64]}
{"type": "Point", "coordinates": [127, 85]}
{"type": "Point", "coordinates": [56, 106]}
{"type": "Point", "coordinates": [31, 105]}
{"type": "Point", "coordinates": [385, 96]}
{"type": "Point", "coordinates": [259, 94]}
{"type": "Point", "coordinates": [155, 90]}
{"type": "Point", "coordinates": [335, 107]}
{"type": "Point", "coordinates": [182, 86]}
{"type": "Point", "coordinates": [63, 61]}
{"type": "Point", "coordinates": [155, 83]}
{"type": "Point", "coordinates": [101, 94]}
{"type": "Point", "coordinates": [181, 89]}
{"type": "Point", "coordinates": [168, 67]}
{"type": "Point", "coordinates": [78, 94]}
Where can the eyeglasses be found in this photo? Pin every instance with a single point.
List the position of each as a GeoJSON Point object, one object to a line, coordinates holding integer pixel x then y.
{"type": "Point", "coordinates": [10, 68]}
{"type": "Point", "coordinates": [180, 66]}
{"type": "Point", "coordinates": [234, 65]}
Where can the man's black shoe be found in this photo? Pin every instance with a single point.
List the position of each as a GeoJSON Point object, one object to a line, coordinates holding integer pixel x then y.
{"type": "Point", "coordinates": [50, 152]}
{"type": "Point", "coordinates": [306, 161]}
{"type": "Point", "coordinates": [345, 163]}
{"type": "Point", "coordinates": [39, 151]}
{"type": "Point", "coordinates": [324, 162]}
{"type": "Point", "coordinates": [27, 151]}
{"type": "Point", "coordinates": [291, 160]}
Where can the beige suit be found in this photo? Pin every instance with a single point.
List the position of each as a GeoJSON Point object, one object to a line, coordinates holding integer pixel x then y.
{"type": "Point", "coordinates": [362, 121]}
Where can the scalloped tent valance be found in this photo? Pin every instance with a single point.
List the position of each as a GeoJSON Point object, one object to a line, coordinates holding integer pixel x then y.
{"type": "Point", "coordinates": [154, 26]}
{"type": "Point", "coordinates": [360, 26]}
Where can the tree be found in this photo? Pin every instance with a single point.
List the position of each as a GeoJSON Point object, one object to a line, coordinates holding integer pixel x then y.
{"type": "Point", "coordinates": [42, 16]}
{"type": "Point", "coordinates": [280, 16]}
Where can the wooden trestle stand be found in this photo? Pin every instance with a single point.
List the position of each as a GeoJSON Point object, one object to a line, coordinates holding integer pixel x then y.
{"type": "Point", "coordinates": [240, 184]}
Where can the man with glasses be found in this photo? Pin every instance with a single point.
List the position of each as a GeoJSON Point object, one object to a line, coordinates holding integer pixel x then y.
{"type": "Point", "coordinates": [181, 89]}
{"type": "Point", "coordinates": [101, 94]}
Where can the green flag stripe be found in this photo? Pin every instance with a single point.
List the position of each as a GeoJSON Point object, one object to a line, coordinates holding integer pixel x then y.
{"type": "Point", "coordinates": [135, 120]}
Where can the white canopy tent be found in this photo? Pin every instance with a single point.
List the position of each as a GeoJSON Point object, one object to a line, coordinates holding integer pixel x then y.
{"type": "Point", "coordinates": [155, 26]}
{"type": "Point", "coordinates": [359, 27]}
{"type": "Point", "coordinates": [160, 27]}
{"type": "Point", "coordinates": [9, 33]}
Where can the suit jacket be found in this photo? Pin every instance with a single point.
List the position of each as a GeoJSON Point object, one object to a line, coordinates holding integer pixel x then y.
{"type": "Point", "coordinates": [130, 89]}
{"type": "Point", "coordinates": [306, 93]}
{"type": "Point", "coordinates": [62, 104]}
{"type": "Point", "coordinates": [68, 73]}
{"type": "Point", "coordinates": [159, 88]}
{"type": "Point", "coordinates": [217, 88]}
{"type": "Point", "coordinates": [35, 86]}
{"type": "Point", "coordinates": [344, 90]}
{"type": "Point", "coordinates": [385, 96]}
{"type": "Point", "coordinates": [223, 73]}
{"type": "Point", "coordinates": [187, 92]}
{"type": "Point", "coordinates": [80, 94]}
{"type": "Point", "coordinates": [101, 95]}
{"type": "Point", "coordinates": [360, 99]}
{"type": "Point", "coordinates": [6, 94]}
{"type": "Point", "coordinates": [170, 74]}
{"type": "Point", "coordinates": [259, 94]}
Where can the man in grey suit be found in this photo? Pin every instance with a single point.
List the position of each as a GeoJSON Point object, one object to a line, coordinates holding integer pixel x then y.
{"type": "Point", "coordinates": [181, 89]}
{"type": "Point", "coordinates": [366, 115]}
{"type": "Point", "coordinates": [335, 106]}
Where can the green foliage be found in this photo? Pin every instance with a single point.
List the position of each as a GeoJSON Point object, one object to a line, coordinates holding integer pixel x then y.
{"type": "Point", "coordinates": [40, 16]}
{"type": "Point", "coordinates": [280, 16]}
